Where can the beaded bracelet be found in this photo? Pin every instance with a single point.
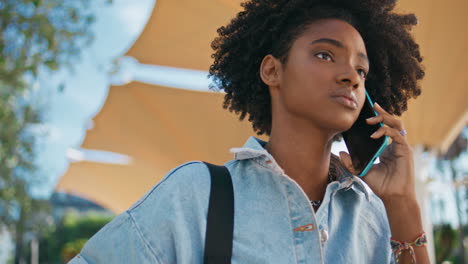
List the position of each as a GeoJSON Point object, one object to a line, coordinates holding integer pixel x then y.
{"type": "Point", "coordinates": [399, 246]}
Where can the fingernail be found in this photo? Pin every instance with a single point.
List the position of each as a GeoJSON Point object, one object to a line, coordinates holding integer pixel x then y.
{"type": "Point", "coordinates": [373, 135]}
{"type": "Point", "coordinates": [377, 104]}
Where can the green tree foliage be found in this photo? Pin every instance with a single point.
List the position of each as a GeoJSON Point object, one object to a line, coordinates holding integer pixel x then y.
{"type": "Point", "coordinates": [445, 240]}
{"type": "Point", "coordinates": [72, 248]}
{"type": "Point", "coordinates": [65, 240]}
{"type": "Point", "coordinates": [445, 237]}
{"type": "Point", "coordinates": [37, 37]}
{"type": "Point", "coordinates": [458, 147]}
{"type": "Point", "coordinates": [38, 34]}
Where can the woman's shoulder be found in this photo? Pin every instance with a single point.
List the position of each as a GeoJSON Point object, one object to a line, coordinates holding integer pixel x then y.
{"type": "Point", "coordinates": [178, 183]}
{"type": "Point", "coordinates": [186, 186]}
{"type": "Point", "coordinates": [151, 224]}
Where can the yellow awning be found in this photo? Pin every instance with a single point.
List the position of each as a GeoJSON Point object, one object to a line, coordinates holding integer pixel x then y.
{"type": "Point", "coordinates": [166, 125]}
{"type": "Point", "coordinates": [115, 187]}
{"type": "Point", "coordinates": [160, 128]}
{"type": "Point", "coordinates": [179, 32]}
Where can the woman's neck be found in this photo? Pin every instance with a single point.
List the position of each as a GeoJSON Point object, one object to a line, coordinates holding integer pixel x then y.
{"type": "Point", "coordinates": [305, 157]}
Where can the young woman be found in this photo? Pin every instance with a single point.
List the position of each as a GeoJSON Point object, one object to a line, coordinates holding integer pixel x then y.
{"type": "Point", "coordinates": [299, 70]}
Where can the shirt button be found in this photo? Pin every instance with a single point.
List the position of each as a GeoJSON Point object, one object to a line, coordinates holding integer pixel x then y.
{"type": "Point", "coordinates": [323, 235]}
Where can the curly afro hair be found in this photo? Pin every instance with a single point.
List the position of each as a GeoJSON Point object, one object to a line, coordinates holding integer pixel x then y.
{"type": "Point", "coordinates": [271, 26]}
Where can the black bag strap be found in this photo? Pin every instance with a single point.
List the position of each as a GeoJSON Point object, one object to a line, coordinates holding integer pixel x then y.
{"type": "Point", "coordinates": [220, 222]}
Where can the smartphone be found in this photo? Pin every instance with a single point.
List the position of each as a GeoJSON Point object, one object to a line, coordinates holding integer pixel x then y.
{"type": "Point", "coordinates": [363, 149]}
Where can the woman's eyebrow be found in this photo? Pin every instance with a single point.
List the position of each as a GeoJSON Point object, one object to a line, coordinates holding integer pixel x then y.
{"type": "Point", "coordinates": [338, 44]}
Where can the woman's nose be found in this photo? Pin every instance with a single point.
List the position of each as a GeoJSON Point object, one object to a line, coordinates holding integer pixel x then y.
{"type": "Point", "coordinates": [349, 78]}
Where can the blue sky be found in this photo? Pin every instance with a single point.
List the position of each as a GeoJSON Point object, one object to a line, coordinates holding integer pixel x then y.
{"type": "Point", "coordinates": [68, 114]}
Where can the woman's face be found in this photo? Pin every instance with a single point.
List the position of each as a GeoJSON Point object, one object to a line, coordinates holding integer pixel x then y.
{"type": "Point", "coordinates": [323, 79]}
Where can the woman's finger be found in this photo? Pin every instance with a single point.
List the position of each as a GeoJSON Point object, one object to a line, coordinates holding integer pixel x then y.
{"type": "Point", "coordinates": [387, 118]}
{"type": "Point", "coordinates": [346, 161]}
{"type": "Point", "coordinates": [394, 134]}
{"type": "Point", "coordinates": [374, 120]}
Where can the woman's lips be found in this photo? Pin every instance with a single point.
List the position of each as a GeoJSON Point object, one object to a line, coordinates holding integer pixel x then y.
{"type": "Point", "coordinates": [345, 101]}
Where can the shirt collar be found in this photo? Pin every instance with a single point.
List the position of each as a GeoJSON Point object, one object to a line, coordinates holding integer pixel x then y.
{"type": "Point", "coordinates": [254, 148]}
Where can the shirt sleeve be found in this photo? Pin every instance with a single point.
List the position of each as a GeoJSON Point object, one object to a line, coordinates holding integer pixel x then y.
{"type": "Point", "coordinates": [167, 225]}
{"type": "Point", "coordinates": [392, 258]}
{"type": "Point", "coordinates": [120, 241]}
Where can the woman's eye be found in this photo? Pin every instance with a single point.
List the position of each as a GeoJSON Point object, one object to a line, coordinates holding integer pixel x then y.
{"type": "Point", "coordinates": [324, 56]}
{"type": "Point", "coordinates": [363, 73]}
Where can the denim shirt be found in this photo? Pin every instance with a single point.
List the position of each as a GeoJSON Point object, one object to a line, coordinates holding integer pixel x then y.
{"type": "Point", "coordinates": [274, 221]}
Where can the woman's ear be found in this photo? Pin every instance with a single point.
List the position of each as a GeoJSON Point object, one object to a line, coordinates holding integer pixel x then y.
{"type": "Point", "coordinates": [269, 70]}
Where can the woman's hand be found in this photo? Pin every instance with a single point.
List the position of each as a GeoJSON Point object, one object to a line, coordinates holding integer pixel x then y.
{"type": "Point", "coordinates": [393, 177]}
{"type": "Point", "coordinates": [393, 181]}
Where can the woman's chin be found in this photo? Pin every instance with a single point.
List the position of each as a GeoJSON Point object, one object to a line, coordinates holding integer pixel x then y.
{"type": "Point", "coordinates": [343, 126]}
